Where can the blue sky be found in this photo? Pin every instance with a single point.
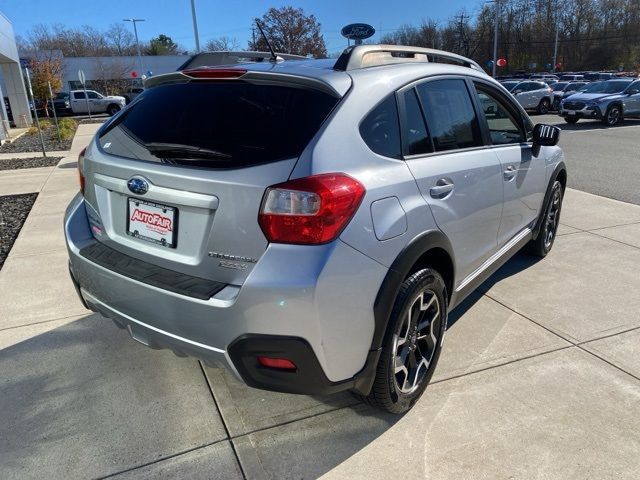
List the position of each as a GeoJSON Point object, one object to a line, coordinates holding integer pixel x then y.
{"type": "Point", "coordinates": [230, 18]}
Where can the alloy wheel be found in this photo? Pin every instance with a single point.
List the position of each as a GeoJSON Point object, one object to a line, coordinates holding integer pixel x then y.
{"type": "Point", "coordinates": [551, 222]}
{"type": "Point", "coordinates": [415, 342]}
{"type": "Point", "coordinates": [613, 116]}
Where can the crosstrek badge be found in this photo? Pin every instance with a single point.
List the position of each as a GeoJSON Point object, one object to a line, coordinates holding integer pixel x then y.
{"type": "Point", "coordinates": [152, 222]}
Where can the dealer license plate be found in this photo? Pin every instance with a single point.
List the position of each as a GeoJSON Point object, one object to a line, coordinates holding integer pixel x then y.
{"type": "Point", "coordinates": [152, 222]}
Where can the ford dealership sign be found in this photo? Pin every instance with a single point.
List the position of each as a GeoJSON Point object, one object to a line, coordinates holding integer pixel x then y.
{"type": "Point", "coordinates": [358, 31]}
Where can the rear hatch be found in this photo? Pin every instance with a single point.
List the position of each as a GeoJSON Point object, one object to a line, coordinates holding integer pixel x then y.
{"type": "Point", "coordinates": [177, 179]}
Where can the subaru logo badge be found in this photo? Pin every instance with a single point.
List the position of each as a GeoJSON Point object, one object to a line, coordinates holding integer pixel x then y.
{"type": "Point", "coordinates": [138, 185]}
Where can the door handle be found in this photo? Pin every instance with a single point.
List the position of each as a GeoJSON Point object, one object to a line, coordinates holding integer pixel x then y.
{"type": "Point", "coordinates": [442, 188]}
{"type": "Point", "coordinates": [510, 173]}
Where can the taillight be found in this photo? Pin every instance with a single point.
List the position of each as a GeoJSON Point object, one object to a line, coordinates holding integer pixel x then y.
{"type": "Point", "coordinates": [310, 210]}
{"type": "Point", "coordinates": [81, 169]}
{"type": "Point", "coordinates": [214, 73]}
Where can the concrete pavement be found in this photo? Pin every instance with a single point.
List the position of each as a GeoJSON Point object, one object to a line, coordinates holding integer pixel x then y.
{"type": "Point", "coordinates": [539, 377]}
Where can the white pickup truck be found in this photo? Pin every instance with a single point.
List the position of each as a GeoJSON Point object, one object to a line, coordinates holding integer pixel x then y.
{"type": "Point", "coordinates": [98, 103]}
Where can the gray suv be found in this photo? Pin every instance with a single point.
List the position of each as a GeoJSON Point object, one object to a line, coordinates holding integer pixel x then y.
{"type": "Point", "coordinates": [609, 101]}
{"type": "Point", "coordinates": [310, 224]}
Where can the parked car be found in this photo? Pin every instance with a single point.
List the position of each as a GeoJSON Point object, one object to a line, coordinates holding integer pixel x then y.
{"type": "Point", "coordinates": [562, 90]}
{"type": "Point", "coordinates": [544, 77]}
{"type": "Point", "coordinates": [610, 101]}
{"type": "Point", "coordinates": [61, 103]}
{"type": "Point", "coordinates": [571, 77]}
{"type": "Point", "coordinates": [307, 225]}
{"type": "Point", "coordinates": [98, 103]}
{"type": "Point", "coordinates": [533, 95]}
{"type": "Point", "coordinates": [131, 93]}
{"type": "Point", "coordinates": [598, 76]}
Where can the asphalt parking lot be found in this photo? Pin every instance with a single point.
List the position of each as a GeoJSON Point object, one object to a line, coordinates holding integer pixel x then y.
{"type": "Point", "coordinates": [601, 160]}
{"type": "Point", "coordinates": [539, 376]}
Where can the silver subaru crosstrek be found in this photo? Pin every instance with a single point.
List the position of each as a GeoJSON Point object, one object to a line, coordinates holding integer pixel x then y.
{"type": "Point", "coordinates": [309, 224]}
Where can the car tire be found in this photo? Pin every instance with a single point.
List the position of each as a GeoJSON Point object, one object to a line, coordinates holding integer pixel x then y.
{"type": "Point", "coordinates": [113, 109]}
{"type": "Point", "coordinates": [550, 222]}
{"type": "Point", "coordinates": [613, 116]}
{"type": "Point", "coordinates": [543, 106]}
{"type": "Point", "coordinates": [417, 325]}
{"type": "Point", "coordinates": [571, 120]}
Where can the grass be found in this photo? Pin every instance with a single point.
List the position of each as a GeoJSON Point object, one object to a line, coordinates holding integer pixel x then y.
{"type": "Point", "coordinates": [67, 128]}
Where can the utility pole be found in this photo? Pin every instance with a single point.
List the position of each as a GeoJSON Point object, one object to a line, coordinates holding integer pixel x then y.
{"type": "Point", "coordinates": [253, 37]}
{"type": "Point", "coordinates": [463, 43]}
{"type": "Point", "coordinates": [135, 30]}
{"type": "Point", "coordinates": [195, 25]}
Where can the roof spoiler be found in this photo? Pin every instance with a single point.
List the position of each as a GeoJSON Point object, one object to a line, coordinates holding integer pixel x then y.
{"type": "Point", "coordinates": [210, 59]}
{"type": "Point", "coordinates": [362, 56]}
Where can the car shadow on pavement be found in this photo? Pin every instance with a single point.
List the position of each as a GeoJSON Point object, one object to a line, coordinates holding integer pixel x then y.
{"type": "Point", "coordinates": [83, 399]}
{"type": "Point", "coordinates": [585, 125]}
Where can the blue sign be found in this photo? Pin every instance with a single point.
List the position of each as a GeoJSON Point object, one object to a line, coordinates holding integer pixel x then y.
{"type": "Point", "coordinates": [357, 31]}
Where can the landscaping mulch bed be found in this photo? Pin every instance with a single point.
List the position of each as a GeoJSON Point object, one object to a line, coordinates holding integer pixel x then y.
{"type": "Point", "coordinates": [95, 120]}
{"type": "Point", "coordinates": [13, 213]}
{"type": "Point", "coordinates": [31, 162]}
{"type": "Point", "coordinates": [31, 143]}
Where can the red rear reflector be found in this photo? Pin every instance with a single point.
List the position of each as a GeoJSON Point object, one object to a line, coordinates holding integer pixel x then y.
{"type": "Point", "coordinates": [310, 210]}
{"type": "Point", "coordinates": [214, 73]}
{"type": "Point", "coordinates": [279, 363]}
{"type": "Point", "coordinates": [81, 169]}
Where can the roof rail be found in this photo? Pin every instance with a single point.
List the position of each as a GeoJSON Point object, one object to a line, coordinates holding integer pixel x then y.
{"type": "Point", "coordinates": [211, 59]}
{"type": "Point", "coordinates": [362, 56]}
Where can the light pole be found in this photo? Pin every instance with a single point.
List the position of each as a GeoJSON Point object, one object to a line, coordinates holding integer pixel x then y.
{"type": "Point", "coordinates": [135, 30]}
{"type": "Point", "coordinates": [555, 43]}
{"type": "Point", "coordinates": [495, 39]}
{"type": "Point", "coordinates": [195, 25]}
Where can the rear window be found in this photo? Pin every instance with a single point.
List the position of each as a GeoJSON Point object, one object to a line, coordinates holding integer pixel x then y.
{"type": "Point", "coordinates": [217, 125]}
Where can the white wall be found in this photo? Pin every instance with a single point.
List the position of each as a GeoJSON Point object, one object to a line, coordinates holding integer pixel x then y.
{"type": "Point", "coordinates": [96, 68]}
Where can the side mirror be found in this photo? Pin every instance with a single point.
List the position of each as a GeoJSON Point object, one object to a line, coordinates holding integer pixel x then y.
{"type": "Point", "coordinates": [515, 92]}
{"type": "Point", "coordinates": [632, 91]}
{"type": "Point", "coordinates": [544, 136]}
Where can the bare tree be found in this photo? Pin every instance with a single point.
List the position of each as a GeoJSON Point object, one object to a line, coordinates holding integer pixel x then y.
{"type": "Point", "coordinates": [121, 40]}
{"type": "Point", "coordinates": [222, 44]}
{"type": "Point", "coordinates": [290, 31]}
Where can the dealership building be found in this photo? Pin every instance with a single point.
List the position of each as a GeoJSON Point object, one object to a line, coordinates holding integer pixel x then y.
{"type": "Point", "coordinates": [11, 81]}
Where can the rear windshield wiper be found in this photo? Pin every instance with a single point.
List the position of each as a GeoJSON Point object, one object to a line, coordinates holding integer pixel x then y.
{"type": "Point", "coordinates": [177, 150]}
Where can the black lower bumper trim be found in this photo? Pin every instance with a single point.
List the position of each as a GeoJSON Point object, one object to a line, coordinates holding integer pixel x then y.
{"type": "Point", "coordinates": [308, 378]}
{"type": "Point", "coordinates": [150, 274]}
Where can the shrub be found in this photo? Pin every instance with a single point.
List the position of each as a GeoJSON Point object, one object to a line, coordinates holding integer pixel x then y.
{"type": "Point", "coordinates": [67, 128]}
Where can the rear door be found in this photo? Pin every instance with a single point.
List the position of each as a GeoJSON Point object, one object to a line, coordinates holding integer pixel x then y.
{"type": "Point", "coordinates": [523, 175]}
{"type": "Point", "coordinates": [631, 104]}
{"type": "Point", "coordinates": [78, 102]}
{"type": "Point", "coordinates": [458, 176]}
{"type": "Point", "coordinates": [177, 179]}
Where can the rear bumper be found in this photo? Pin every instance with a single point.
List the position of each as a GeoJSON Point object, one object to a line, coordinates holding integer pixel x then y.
{"type": "Point", "coordinates": [299, 301]}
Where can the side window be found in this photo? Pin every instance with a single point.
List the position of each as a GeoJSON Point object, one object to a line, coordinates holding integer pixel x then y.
{"type": "Point", "coordinates": [78, 95]}
{"type": "Point", "coordinates": [415, 136]}
{"type": "Point", "coordinates": [380, 128]}
{"type": "Point", "coordinates": [503, 126]}
{"type": "Point", "coordinates": [92, 95]}
{"type": "Point", "coordinates": [451, 118]}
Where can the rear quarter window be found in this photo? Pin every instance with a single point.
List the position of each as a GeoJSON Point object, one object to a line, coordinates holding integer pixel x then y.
{"type": "Point", "coordinates": [380, 129]}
